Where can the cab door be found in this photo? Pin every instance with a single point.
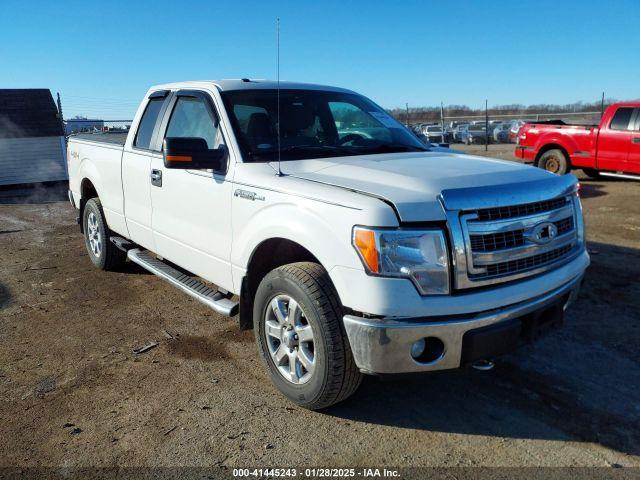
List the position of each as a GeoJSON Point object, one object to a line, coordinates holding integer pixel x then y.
{"type": "Point", "coordinates": [614, 141]}
{"type": "Point", "coordinates": [191, 216]}
{"type": "Point", "coordinates": [633, 160]}
{"type": "Point", "coordinates": [136, 170]}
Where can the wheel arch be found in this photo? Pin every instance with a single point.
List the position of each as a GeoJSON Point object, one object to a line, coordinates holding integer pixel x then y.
{"type": "Point", "coordinates": [269, 254]}
{"type": "Point", "coordinates": [87, 192]}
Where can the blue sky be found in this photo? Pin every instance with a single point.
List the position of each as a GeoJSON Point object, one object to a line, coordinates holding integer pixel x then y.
{"type": "Point", "coordinates": [102, 56]}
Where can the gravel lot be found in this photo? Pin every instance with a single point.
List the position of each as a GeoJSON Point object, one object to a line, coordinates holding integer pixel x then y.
{"type": "Point", "coordinates": [72, 393]}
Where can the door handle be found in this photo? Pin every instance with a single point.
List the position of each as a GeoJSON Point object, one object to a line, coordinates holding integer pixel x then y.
{"type": "Point", "coordinates": [156, 178]}
{"type": "Point", "coordinates": [635, 140]}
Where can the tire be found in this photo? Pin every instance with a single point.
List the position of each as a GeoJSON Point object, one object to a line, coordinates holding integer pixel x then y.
{"type": "Point", "coordinates": [554, 161]}
{"type": "Point", "coordinates": [333, 375]}
{"type": "Point", "coordinates": [591, 173]}
{"type": "Point", "coordinates": [104, 254]}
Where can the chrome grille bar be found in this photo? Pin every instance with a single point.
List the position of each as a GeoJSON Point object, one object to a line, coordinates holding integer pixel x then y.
{"type": "Point", "coordinates": [523, 264]}
{"type": "Point", "coordinates": [474, 226]}
{"type": "Point", "coordinates": [511, 239]}
{"type": "Point", "coordinates": [488, 259]}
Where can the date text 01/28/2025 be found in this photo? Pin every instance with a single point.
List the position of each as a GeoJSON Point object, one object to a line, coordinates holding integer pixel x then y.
{"type": "Point", "coordinates": [315, 472]}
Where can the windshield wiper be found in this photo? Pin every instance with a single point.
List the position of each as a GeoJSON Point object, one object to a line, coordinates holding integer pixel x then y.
{"type": "Point", "coordinates": [332, 151]}
{"type": "Point", "coordinates": [390, 148]}
{"type": "Point", "coordinates": [316, 149]}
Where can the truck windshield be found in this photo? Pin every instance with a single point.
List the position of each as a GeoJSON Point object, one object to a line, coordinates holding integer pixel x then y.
{"type": "Point", "coordinates": [313, 124]}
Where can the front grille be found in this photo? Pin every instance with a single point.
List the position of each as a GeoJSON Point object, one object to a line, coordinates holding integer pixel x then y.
{"type": "Point", "coordinates": [502, 244]}
{"type": "Point", "coordinates": [500, 213]}
{"type": "Point", "coordinates": [497, 241]}
{"type": "Point", "coordinates": [523, 264]}
{"type": "Point", "coordinates": [511, 239]}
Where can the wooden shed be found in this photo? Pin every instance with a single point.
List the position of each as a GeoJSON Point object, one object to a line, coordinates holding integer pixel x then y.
{"type": "Point", "coordinates": [32, 146]}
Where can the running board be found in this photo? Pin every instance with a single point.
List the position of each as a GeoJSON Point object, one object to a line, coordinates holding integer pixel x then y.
{"type": "Point", "coordinates": [620, 175]}
{"type": "Point", "coordinates": [122, 243]}
{"type": "Point", "coordinates": [215, 299]}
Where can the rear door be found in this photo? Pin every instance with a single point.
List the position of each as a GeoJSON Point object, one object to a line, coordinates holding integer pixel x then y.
{"type": "Point", "coordinates": [192, 208]}
{"type": "Point", "coordinates": [633, 160]}
{"type": "Point", "coordinates": [136, 170]}
{"type": "Point", "coordinates": [614, 140]}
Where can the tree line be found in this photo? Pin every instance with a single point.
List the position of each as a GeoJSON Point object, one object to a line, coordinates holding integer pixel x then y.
{"type": "Point", "coordinates": [424, 114]}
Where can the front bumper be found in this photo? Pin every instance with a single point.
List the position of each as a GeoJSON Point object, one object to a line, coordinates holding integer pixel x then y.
{"type": "Point", "coordinates": [383, 346]}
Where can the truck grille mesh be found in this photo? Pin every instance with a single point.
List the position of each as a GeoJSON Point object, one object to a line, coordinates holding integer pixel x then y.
{"type": "Point", "coordinates": [500, 213]}
{"type": "Point", "coordinates": [511, 239]}
{"type": "Point", "coordinates": [523, 264]}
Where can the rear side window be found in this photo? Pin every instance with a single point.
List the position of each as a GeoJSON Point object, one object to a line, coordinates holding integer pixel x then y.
{"type": "Point", "coordinates": [621, 119]}
{"type": "Point", "coordinates": [148, 122]}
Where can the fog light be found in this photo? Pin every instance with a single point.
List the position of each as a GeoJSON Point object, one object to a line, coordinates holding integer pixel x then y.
{"type": "Point", "coordinates": [417, 348]}
{"type": "Point", "coordinates": [427, 350]}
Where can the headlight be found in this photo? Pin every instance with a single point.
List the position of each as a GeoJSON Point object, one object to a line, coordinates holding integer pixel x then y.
{"type": "Point", "coordinates": [419, 255]}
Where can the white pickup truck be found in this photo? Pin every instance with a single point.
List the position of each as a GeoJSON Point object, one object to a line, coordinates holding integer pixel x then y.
{"type": "Point", "coordinates": [348, 245]}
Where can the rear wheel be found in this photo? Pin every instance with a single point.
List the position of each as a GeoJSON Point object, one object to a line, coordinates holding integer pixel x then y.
{"type": "Point", "coordinates": [591, 173]}
{"type": "Point", "coordinates": [299, 331]}
{"type": "Point", "coordinates": [104, 254]}
{"type": "Point", "coordinates": [554, 161]}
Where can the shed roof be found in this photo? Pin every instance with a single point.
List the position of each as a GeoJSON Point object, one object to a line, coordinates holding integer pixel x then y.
{"type": "Point", "coordinates": [28, 112]}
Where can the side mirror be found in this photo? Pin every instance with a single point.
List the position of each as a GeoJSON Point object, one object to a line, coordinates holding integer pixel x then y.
{"type": "Point", "coordinates": [192, 153]}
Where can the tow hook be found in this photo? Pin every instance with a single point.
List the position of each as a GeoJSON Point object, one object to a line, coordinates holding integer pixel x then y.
{"type": "Point", "coordinates": [483, 365]}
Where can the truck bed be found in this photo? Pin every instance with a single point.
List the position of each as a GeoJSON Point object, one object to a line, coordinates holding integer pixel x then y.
{"type": "Point", "coordinates": [561, 124]}
{"type": "Point", "coordinates": [110, 138]}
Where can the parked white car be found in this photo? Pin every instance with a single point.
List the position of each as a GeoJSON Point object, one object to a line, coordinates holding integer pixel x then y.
{"type": "Point", "coordinates": [347, 244]}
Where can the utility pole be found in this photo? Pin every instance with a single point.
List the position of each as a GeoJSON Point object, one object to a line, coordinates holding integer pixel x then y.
{"type": "Point", "coordinates": [602, 106]}
{"type": "Point", "coordinates": [486, 125]}
{"type": "Point", "coordinates": [407, 119]}
{"type": "Point", "coordinates": [442, 120]}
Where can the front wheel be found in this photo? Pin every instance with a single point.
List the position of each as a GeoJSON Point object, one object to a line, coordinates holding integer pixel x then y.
{"type": "Point", "coordinates": [554, 161]}
{"type": "Point", "coordinates": [297, 319]}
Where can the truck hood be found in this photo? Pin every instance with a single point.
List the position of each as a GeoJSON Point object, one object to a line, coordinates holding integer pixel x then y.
{"type": "Point", "coordinates": [415, 183]}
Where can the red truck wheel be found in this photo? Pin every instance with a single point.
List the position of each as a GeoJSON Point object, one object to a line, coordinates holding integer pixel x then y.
{"type": "Point", "coordinates": [554, 161]}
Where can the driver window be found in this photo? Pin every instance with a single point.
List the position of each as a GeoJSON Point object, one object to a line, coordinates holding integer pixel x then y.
{"type": "Point", "coordinates": [191, 118]}
{"type": "Point", "coordinates": [351, 119]}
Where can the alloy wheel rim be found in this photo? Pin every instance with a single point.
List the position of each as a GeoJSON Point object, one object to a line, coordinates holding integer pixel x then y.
{"type": "Point", "coordinates": [290, 339]}
{"type": "Point", "coordinates": [93, 234]}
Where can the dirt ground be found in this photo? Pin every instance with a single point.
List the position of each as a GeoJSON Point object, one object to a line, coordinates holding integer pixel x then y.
{"type": "Point", "coordinates": [73, 393]}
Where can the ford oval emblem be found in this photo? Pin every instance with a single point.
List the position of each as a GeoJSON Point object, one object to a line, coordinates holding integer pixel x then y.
{"type": "Point", "coordinates": [542, 233]}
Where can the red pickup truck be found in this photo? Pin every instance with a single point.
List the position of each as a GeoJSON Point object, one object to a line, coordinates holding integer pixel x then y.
{"type": "Point", "coordinates": [611, 148]}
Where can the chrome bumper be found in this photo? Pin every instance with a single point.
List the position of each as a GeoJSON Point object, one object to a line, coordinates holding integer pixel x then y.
{"type": "Point", "coordinates": [384, 345]}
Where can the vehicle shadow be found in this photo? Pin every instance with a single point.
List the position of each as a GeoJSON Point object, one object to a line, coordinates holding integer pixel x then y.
{"type": "Point", "coordinates": [132, 269]}
{"type": "Point", "coordinates": [5, 296]}
{"type": "Point", "coordinates": [37, 193]}
{"type": "Point", "coordinates": [578, 383]}
{"type": "Point", "coordinates": [591, 190]}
